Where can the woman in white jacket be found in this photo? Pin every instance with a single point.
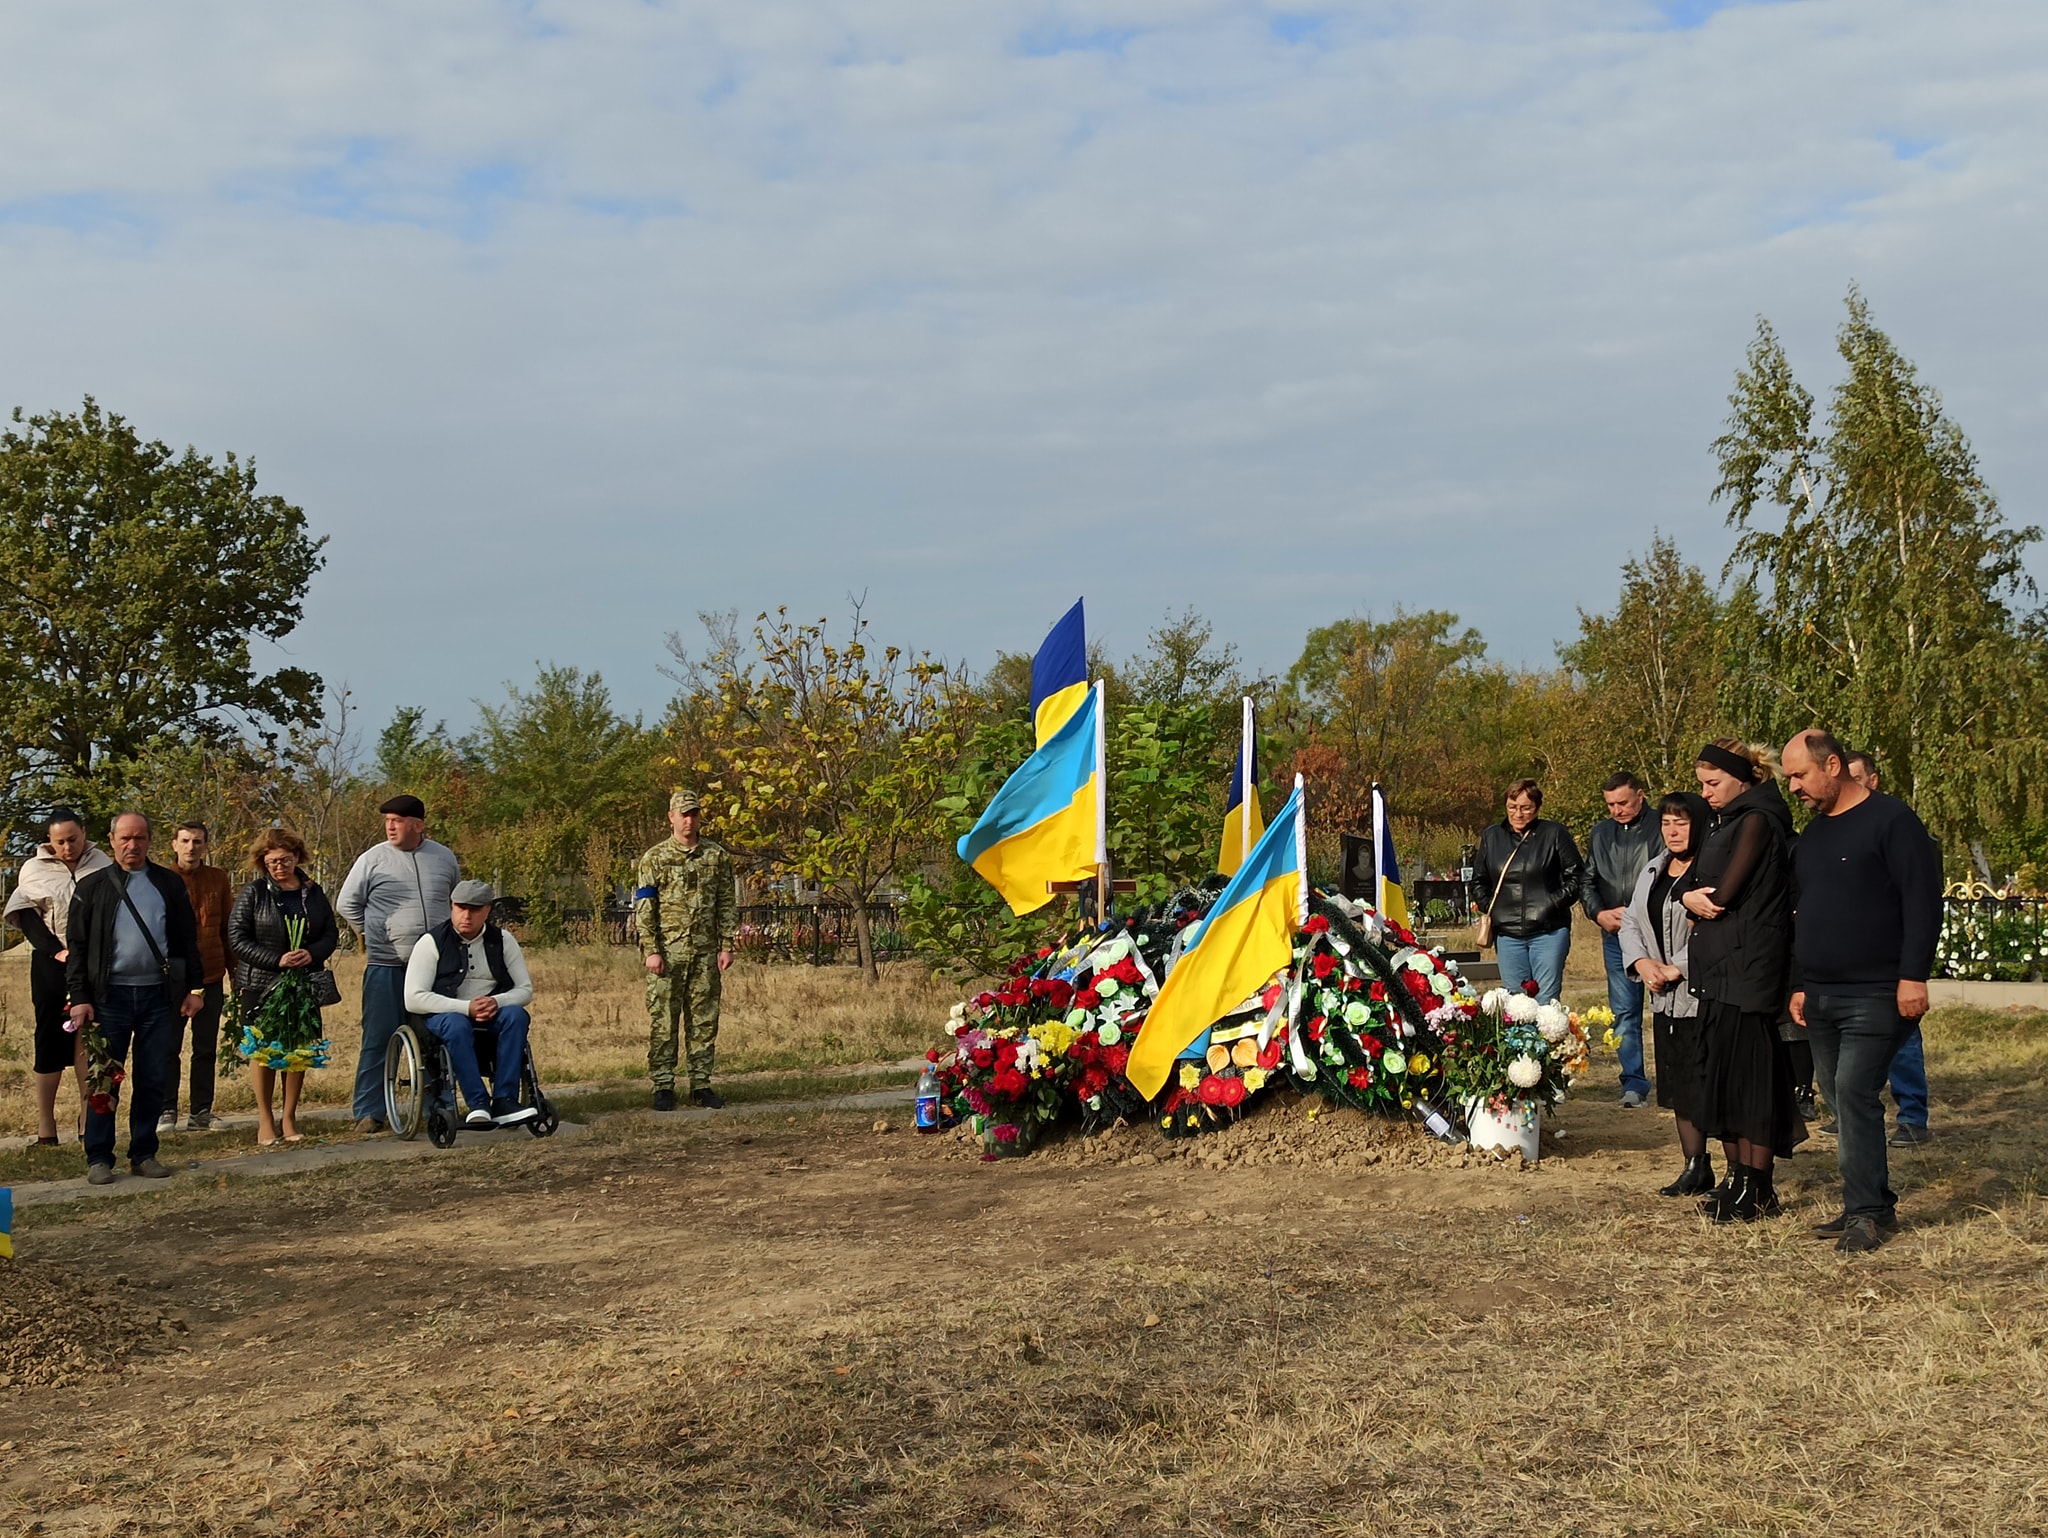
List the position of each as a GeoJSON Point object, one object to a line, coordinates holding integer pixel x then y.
{"type": "Point", "coordinates": [40, 907]}
{"type": "Point", "coordinates": [1656, 933]}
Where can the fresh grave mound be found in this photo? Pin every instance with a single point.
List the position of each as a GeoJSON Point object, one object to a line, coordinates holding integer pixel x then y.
{"type": "Point", "coordinates": [56, 1327]}
{"type": "Point", "coordinates": [1364, 1018]}
{"type": "Point", "coordinates": [1289, 1131]}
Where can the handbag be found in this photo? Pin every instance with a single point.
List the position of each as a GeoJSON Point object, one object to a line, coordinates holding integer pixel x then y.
{"type": "Point", "coordinates": [326, 990]}
{"type": "Point", "coordinates": [1486, 919]}
{"type": "Point", "coordinates": [171, 967]}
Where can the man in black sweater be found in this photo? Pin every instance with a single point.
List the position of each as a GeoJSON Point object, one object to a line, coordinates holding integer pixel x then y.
{"type": "Point", "coordinates": [1869, 896]}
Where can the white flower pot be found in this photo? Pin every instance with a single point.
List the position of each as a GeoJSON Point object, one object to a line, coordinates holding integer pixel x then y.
{"type": "Point", "coordinates": [1519, 1131]}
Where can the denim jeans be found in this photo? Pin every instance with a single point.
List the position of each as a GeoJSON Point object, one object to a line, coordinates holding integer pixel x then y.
{"type": "Point", "coordinates": [1625, 998]}
{"type": "Point", "coordinates": [383, 1013]}
{"type": "Point", "coordinates": [1541, 958]}
{"type": "Point", "coordinates": [1909, 1081]}
{"type": "Point", "coordinates": [141, 1023]}
{"type": "Point", "coordinates": [1855, 1038]}
{"type": "Point", "coordinates": [458, 1034]}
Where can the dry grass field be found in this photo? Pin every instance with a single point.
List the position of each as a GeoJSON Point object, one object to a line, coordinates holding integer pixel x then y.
{"type": "Point", "coordinates": [798, 1325]}
{"type": "Point", "coordinates": [590, 1024]}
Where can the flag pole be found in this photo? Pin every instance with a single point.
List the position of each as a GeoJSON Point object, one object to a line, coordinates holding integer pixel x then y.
{"type": "Point", "coordinates": [1101, 809]}
{"type": "Point", "coordinates": [1244, 784]}
{"type": "Point", "coordinates": [1379, 858]}
{"type": "Point", "coordinates": [1301, 854]}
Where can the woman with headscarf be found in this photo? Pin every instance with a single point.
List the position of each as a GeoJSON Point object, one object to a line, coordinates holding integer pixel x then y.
{"type": "Point", "coordinates": [40, 907]}
{"type": "Point", "coordinates": [1656, 939]}
{"type": "Point", "coordinates": [1740, 897]}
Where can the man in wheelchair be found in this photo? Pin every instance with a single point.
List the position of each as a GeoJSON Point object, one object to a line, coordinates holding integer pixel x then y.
{"type": "Point", "coordinates": [467, 976]}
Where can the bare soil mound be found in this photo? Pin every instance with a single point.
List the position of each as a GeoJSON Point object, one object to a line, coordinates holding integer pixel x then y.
{"type": "Point", "coordinates": [56, 1328]}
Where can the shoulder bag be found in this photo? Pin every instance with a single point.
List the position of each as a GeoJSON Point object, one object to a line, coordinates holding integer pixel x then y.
{"type": "Point", "coordinates": [172, 967]}
{"type": "Point", "coordinates": [1486, 918]}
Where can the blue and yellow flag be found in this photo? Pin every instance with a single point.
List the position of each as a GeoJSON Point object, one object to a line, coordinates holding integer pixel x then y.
{"type": "Point", "coordinates": [1247, 937]}
{"type": "Point", "coordinates": [1059, 674]}
{"type": "Point", "coordinates": [1243, 822]}
{"type": "Point", "coordinates": [6, 1222]}
{"type": "Point", "coordinates": [1043, 824]}
{"type": "Point", "coordinates": [1392, 901]}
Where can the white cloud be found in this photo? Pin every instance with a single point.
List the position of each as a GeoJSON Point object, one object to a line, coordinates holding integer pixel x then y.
{"type": "Point", "coordinates": [571, 320]}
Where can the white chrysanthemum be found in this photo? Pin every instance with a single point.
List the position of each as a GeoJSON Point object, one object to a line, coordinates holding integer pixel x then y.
{"type": "Point", "coordinates": [1520, 1008]}
{"type": "Point", "coordinates": [1553, 1020]}
{"type": "Point", "coordinates": [1393, 1062]}
{"type": "Point", "coordinates": [1495, 1001]}
{"type": "Point", "coordinates": [1525, 1073]}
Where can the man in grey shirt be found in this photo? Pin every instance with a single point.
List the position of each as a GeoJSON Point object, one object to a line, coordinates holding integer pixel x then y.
{"type": "Point", "coordinates": [395, 893]}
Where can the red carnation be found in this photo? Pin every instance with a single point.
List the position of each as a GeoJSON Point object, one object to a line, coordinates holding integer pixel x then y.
{"type": "Point", "coordinates": [1419, 986]}
{"type": "Point", "coordinates": [1325, 964]}
{"type": "Point", "coordinates": [1359, 1078]}
{"type": "Point", "coordinates": [1378, 992]}
{"type": "Point", "coordinates": [983, 1058]}
{"type": "Point", "coordinates": [1087, 998]}
{"type": "Point", "coordinates": [1316, 925]}
{"type": "Point", "coordinates": [1372, 1045]}
{"type": "Point", "coordinates": [1008, 1081]}
{"type": "Point", "coordinates": [1116, 1058]}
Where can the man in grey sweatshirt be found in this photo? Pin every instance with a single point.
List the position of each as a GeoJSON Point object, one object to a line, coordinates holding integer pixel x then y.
{"type": "Point", "coordinates": [388, 897]}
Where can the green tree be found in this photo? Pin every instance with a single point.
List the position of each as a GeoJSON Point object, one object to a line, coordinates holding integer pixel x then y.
{"type": "Point", "coordinates": [825, 759]}
{"type": "Point", "coordinates": [1884, 579]}
{"type": "Point", "coordinates": [133, 581]}
{"type": "Point", "coordinates": [1651, 668]}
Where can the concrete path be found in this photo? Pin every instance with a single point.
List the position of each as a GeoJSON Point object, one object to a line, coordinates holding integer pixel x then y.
{"type": "Point", "coordinates": [295, 1160]}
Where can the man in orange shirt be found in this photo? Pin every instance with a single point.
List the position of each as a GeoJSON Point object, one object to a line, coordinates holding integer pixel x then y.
{"type": "Point", "coordinates": [212, 896]}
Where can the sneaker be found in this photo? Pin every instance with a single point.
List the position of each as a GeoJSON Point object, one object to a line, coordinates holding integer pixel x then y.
{"type": "Point", "coordinates": [1832, 1229]}
{"type": "Point", "coordinates": [664, 1100]}
{"type": "Point", "coordinates": [199, 1121]}
{"type": "Point", "coordinates": [168, 1122]}
{"type": "Point", "coordinates": [479, 1118]}
{"type": "Point", "coordinates": [149, 1169]}
{"type": "Point", "coordinates": [514, 1116]}
{"type": "Point", "coordinates": [708, 1098]}
{"type": "Point", "coordinates": [1906, 1135]}
{"type": "Point", "coordinates": [99, 1174]}
{"type": "Point", "coordinates": [1633, 1100]}
{"type": "Point", "coordinates": [367, 1124]}
{"type": "Point", "coordinates": [1859, 1235]}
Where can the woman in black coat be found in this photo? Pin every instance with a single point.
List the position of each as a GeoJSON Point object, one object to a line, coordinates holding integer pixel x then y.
{"type": "Point", "coordinates": [262, 953]}
{"type": "Point", "coordinates": [1740, 898]}
{"type": "Point", "coordinates": [1527, 878]}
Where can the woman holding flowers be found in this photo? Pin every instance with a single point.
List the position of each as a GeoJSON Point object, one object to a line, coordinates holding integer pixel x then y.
{"type": "Point", "coordinates": [281, 925]}
{"type": "Point", "coordinates": [1740, 897]}
{"type": "Point", "coordinates": [1656, 938]}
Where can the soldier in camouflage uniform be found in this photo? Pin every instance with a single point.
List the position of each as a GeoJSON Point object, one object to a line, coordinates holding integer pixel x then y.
{"type": "Point", "coordinates": [685, 907]}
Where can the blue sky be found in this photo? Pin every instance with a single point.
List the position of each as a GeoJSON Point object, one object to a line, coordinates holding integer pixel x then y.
{"type": "Point", "coordinates": [567, 321]}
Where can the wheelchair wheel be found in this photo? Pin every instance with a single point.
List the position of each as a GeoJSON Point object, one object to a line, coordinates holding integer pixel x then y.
{"type": "Point", "coordinates": [406, 1075]}
{"type": "Point", "coordinates": [441, 1128]}
{"type": "Point", "coordinates": [544, 1124]}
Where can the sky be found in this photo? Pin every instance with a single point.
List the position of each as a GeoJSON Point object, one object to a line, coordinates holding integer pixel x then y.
{"type": "Point", "coordinates": [567, 321]}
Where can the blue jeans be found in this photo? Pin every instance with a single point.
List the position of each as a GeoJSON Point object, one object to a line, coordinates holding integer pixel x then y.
{"type": "Point", "coordinates": [383, 1013]}
{"type": "Point", "coordinates": [458, 1034]}
{"type": "Point", "coordinates": [1909, 1081]}
{"type": "Point", "coordinates": [141, 1021]}
{"type": "Point", "coordinates": [1855, 1038]}
{"type": "Point", "coordinates": [1625, 998]}
{"type": "Point", "coordinates": [1541, 958]}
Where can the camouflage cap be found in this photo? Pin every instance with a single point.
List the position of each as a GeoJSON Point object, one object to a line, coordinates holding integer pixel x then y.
{"type": "Point", "coordinates": [685, 801]}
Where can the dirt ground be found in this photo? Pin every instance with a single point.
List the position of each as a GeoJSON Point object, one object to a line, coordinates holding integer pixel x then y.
{"type": "Point", "coordinates": [801, 1325]}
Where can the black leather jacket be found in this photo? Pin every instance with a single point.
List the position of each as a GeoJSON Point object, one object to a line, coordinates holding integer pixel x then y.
{"type": "Point", "coordinates": [1615, 856]}
{"type": "Point", "coordinates": [1541, 884]}
{"type": "Point", "coordinates": [89, 970]}
{"type": "Point", "coordinates": [257, 940]}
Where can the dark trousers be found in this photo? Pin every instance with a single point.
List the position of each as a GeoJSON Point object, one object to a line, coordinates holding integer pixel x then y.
{"type": "Point", "coordinates": [383, 1013]}
{"type": "Point", "coordinates": [1854, 1041]}
{"type": "Point", "coordinates": [141, 1023]}
{"type": "Point", "coordinates": [205, 1028]}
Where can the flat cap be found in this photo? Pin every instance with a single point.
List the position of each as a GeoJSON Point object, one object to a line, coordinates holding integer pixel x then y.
{"type": "Point", "coordinates": [473, 894]}
{"type": "Point", "coordinates": [685, 801]}
{"type": "Point", "coordinates": [405, 806]}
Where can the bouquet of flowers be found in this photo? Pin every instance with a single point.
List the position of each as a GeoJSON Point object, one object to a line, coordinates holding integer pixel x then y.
{"type": "Point", "coordinates": [1516, 1051]}
{"type": "Point", "coordinates": [103, 1075]}
{"type": "Point", "coordinates": [284, 1033]}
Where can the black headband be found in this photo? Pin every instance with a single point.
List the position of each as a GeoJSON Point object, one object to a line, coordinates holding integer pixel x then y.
{"type": "Point", "coordinates": [1729, 763]}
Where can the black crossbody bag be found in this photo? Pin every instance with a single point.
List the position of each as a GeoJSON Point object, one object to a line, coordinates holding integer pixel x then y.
{"type": "Point", "coordinates": [172, 967]}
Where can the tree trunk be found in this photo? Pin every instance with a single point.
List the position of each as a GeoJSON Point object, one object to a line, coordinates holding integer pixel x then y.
{"type": "Point", "coordinates": [864, 936]}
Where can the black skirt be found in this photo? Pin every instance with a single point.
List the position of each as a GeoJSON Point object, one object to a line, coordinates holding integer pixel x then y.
{"type": "Point", "coordinates": [1681, 1064]}
{"type": "Point", "coordinates": [56, 1049]}
{"type": "Point", "coordinates": [1746, 1088]}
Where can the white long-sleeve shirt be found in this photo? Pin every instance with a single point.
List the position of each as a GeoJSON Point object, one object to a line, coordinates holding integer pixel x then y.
{"type": "Point", "coordinates": [420, 998]}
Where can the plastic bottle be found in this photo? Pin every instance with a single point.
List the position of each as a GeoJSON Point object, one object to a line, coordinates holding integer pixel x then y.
{"type": "Point", "coordinates": [928, 1099]}
{"type": "Point", "coordinates": [1438, 1124]}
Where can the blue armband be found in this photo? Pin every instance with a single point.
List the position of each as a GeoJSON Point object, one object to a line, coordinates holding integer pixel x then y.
{"type": "Point", "coordinates": [645, 891]}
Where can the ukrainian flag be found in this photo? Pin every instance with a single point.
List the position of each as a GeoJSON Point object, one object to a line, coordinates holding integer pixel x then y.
{"type": "Point", "coordinates": [1044, 824]}
{"type": "Point", "coordinates": [1243, 822]}
{"type": "Point", "coordinates": [1393, 902]}
{"type": "Point", "coordinates": [6, 1223]}
{"type": "Point", "coordinates": [1247, 937]}
{"type": "Point", "coordinates": [1059, 674]}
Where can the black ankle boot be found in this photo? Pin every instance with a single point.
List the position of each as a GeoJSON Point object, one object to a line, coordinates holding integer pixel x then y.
{"type": "Point", "coordinates": [1764, 1193]}
{"type": "Point", "coordinates": [1735, 1200]}
{"type": "Point", "coordinates": [1697, 1179]}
